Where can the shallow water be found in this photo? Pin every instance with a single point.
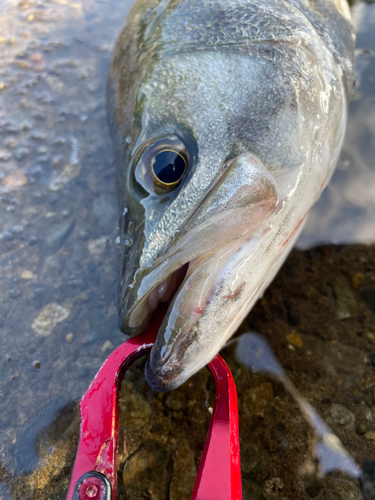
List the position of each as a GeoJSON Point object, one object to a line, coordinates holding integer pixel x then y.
{"type": "Point", "coordinates": [58, 210]}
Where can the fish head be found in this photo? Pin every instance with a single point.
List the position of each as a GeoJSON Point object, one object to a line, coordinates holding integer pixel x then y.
{"type": "Point", "coordinates": [195, 193]}
{"type": "Point", "coordinates": [211, 146]}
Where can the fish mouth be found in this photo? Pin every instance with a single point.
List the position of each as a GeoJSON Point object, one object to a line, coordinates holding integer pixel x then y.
{"type": "Point", "coordinates": [169, 359]}
{"type": "Point", "coordinates": [199, 274]}
{"type": "Point", "coordinates": [144, 302]}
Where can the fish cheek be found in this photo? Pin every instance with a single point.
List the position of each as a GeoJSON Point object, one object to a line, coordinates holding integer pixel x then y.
{"type": "Point", "coordinates": [240, 203]}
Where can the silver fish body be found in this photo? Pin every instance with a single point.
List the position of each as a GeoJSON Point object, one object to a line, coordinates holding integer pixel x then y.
{"type": "Point", "coordinates": [256, 92]}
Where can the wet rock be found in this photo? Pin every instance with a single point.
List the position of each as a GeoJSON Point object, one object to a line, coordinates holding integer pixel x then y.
{"type": "Point", "coordinates": [257, 400]}
{"type": "Point", "coordinates": [60, 180]}
{"type": "Point", "coordinates": [14, 180]}
{"type": "Point", "coordinates": [26, 456]}
{"type": "Point", "coordinates": [60, 233]}
{"type": "Point", "coordinates": [372, 359]}
{"type": "Point", "coordinates": [336, 359]}
{"type": "Point", "coordinates": [21, 153]}
{"type": "Point", "coordinates": [251, 491]}
{"type": "Point", "coordinates": [338, 415]}
{"type": "Point", "coordinates": [57, 161]}
{"type": "Point", "coordinates": [11, 142]}
{"type": "Point", "coordinates": [361, 428]}
{"type": "Point", "coordinates": [368, 295]}
{"type": "Point", "coordinates": [5, 155]}
{"type": "Point", "coordinates": [273, 488]}
{"type": "Point", "coordinates": [33, 240]}
{"type": "Point", "coordinates": [370, 436]}
{"type": "Point", "coordinates": [105, 210]}
{"type": "Point", "coordinates": [134, 405]}
{"type": "Point", "coordinates": [294, 338]}
{"type": "Point", "coordinates": [367, 480]}
{"type": "Point", "coordinates": [175, 401]}
{"type": "Point", "coordinates": [97, 247]}
{"type": "Point", "coordinates": [107, 346]}
{"type": "Point", "coordinates": [14, 293]}
{"type": "Point", "coordinates": [313, 485]}
{"type": "Point", "coordinates": [357, 280]}
{"type": "Point", "coordinates": [342, 489]}
{"type": "Point", "coordinates": [145, 473]}
{"type": "Point", "coordinates": [48, 318]}
{"type": "Point", "coordinates": [346, 304]}
{"type": "Point", "coordinates": [254, 463]}
{"type": "Point", "coordinates": [184, 472]}
{"type": "Point", "coordinates": [7, 236]}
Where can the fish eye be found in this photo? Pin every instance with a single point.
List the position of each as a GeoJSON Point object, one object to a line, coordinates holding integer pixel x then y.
{"type": "Point", "coordinates": [163, 165]}
{"type": "Point", "coordinates": [168, 167]}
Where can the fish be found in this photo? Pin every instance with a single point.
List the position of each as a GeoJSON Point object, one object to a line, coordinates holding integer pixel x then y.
{"type": "Point", "coordinates": [227, 119]}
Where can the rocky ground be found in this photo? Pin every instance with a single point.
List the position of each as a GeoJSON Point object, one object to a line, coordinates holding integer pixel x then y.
{"type": "Point", "coordinates": [58, 275]}
{"type": "Point", "coordinates": [319, 318]}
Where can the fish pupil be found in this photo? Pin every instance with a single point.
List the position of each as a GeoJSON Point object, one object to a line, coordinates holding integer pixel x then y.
{"type": "Point", "coordinates": [169, 167]}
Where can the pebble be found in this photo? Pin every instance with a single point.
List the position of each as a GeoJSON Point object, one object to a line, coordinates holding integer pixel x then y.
{"type": "Point", "coordinates": [7, 236]}
{"type": "Point", "coordinates": [33, 240]}
{"type": "Point", "coordinates": [256, 402]}
{"type": "Point", "coordinates": [42, 150]}
{"type": "Point", "coordinates": [56, 161]}
{"type": "Point", "coordinates": [69, 337]}
{"type": "Point", "coordinates": [338, 360]}
{"type": "Point", "coordinates": [368, 295]}
{"type": "Point", "coordinates": [254, 462]}
{"type": "Point", "coordinates": [21, 153]}
{"type": "Point", "coordinates": [313, 484]}
{"type": "Point", "coordinates": [58, 234]}
{"type": "Point", "coordinates": [339, 415]}
{"type": "Point", "coordinates": [48, 318]}
{"type": "Point", "coordinates": [5, 155]}
{"type": "Point", "coordinates": [370, 436]}
{"type": "Point", "coordinates": [16, 229]}
{"type": "Point", "coordinates": [107, 346]}
{"type": "Point", "coordinates": [343, 489]}
{"type": "Point", "coordinates": [60, 180]}
{"type": "Point", "coordinates": [175, 401]}
{"type": "Point", "coordinates": [361, 428]}
{"type": "Point", "coordinates": [346, 303]}
{"type": "Point", "coordinates": [98, 246]}
{"type": "Point", "coordinates": [357, 280]}
{"type": "Point", "coordinates": [83, 234]}
{"type": "Point", "coordinates": [145, 473]}
{"type": "Point", "coordinates": [14, 293]}
{"type": "Point", "coordinates": [14, 180]}
{"type": "Point", "coordinates": [11, 142]}
{"type": "Point", "coordinates": [59, 141]}
{"type": "Point", "coordinates": [38, 135]}
{"type": "Point", "coordinates": [273, 488]}
{"type": "Point", "coordinates": [184, 473]}
{"type": "Point", "coordinates": [294, 338]}
{"type": "Point", "coordinates": [27, 275]}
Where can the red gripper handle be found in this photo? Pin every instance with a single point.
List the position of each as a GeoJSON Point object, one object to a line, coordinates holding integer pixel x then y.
{"type": "Point", "coordinates": [94, 474]}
